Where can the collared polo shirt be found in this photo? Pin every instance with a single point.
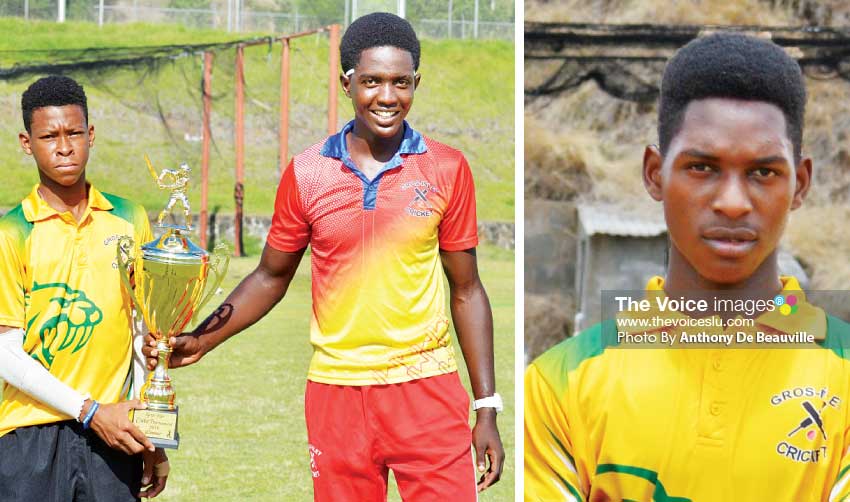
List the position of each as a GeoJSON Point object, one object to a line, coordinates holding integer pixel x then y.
{"type": "Point", "coordinates": [606, 422]}
{"type": "Point", "coordinates": [59, 282]}
{"type": "Point", "coordinates": [377, 280]}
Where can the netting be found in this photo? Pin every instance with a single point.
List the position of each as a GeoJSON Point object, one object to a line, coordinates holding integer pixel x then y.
{"type": "Point", "coordinates": [627, 61]}
{"type": "Point", "coordinates": [150, 100]}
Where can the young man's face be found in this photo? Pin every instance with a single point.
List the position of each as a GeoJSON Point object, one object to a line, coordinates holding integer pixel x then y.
{"type": "Point", "coordinates": [381, 90]}
{"type": "Point", "coordinates": [728, 182]}
{"type": "Point", "coordinates": [59, 141]}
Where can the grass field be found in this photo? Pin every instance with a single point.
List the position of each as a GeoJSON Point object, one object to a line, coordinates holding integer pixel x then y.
{"type": "Point", "coordinates": [465, 100]}
{"type": "Point", "coordinates": [242, 432]}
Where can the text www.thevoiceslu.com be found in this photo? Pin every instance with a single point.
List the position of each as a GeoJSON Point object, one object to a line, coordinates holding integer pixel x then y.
{"type": "Point", "coordinates": [686, 322]}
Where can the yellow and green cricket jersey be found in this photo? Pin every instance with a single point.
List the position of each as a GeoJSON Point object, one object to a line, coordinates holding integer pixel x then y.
{"type": "Point", "coordinates": [604, 422]}
{"type": "Point", "coordinates": [59, 282]}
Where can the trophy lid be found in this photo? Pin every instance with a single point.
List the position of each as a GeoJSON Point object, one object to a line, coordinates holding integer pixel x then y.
{"type": "Point", "coordinates": [173, 246]}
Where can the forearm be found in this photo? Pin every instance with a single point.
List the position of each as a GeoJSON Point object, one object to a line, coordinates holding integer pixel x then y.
{"type": "Point", "coordinates": [253, 298]}
{"type": "Point", "coordinates": [21, 371]}
{"type": "Point", "coordinates": [473, 322]}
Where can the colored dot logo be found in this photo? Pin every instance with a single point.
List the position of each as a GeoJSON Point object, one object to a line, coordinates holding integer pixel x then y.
{"type": "Point", "coordinates": [787, 304]}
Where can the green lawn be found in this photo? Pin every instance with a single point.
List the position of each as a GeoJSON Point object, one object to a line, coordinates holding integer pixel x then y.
{"type": "Point", "coordinates": [465, 100]}
{"type": "Point", "coordinates": [242, 410]}
{"type": "Point", "coordinates": [242, 432]}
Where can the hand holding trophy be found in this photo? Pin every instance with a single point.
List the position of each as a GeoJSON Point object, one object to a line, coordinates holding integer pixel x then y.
{"type": "Point", "coordinates": [171, 275]}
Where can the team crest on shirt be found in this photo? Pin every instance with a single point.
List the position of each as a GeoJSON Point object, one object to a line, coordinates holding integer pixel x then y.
{"type": "Point", "coordinates": [419, 205]}
{"type": "Point", "coordinates": [806, 438]}
{"type": "Point", "coordinates": [66, 322]}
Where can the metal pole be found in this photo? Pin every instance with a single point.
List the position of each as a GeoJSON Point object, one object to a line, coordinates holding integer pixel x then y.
{"type": "Point", "coordinates": [353, 10]}
{"type": "Point", "coordinates": [347, 19]}
{"type": "Point", "coordinates": [205, 148]}
{"type": "Point", "coordinates": [229, 16]}
{"type": "Point", "coordinates": [27, 10]}
{"type": "Point", "coordinates": [100, 13]}
{"type": "Point", "coordinates": [60, 17]}
{"type": "Point", "coordinates": [333, 79]}
{"type": "Point", "coordinates": [284, 105]}
{"type": "Point", "coordinates": [238, 193]}
{"type": "Point", "coordinates": [402, 9]}
{"type": "Point", "coordinates": [450, 18]}
{"type": "Point", "coordinates": [475, 22]}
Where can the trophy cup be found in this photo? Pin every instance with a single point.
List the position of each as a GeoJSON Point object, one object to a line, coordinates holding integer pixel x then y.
{"type": "Point", "coordinates": [170, 275]}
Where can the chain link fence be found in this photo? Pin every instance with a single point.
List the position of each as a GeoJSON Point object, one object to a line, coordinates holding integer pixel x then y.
{"type": "Point", "coordinates": [460, 19]}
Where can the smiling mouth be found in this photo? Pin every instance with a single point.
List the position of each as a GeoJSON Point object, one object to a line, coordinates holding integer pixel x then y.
{"type": "Point", "coordinates": [384, 114]}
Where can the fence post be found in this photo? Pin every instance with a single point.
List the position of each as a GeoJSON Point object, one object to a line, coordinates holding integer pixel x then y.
{"type": "Point", "coordinates": [284, 105]}
{"type": "Point", "coordinates": [333, 79]}
{"type": "Point", "coordinates": [238, 192]}
{"type": "Point", "coordinates": [450, 18]}
{"type": "Point", "coordinates": [475, 22]}
{"type": "Point", "coordinates": [205, 148]}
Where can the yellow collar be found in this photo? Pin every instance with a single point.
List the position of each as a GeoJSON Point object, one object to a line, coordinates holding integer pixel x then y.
{"type": "Point", "coordinates": [37, 209]}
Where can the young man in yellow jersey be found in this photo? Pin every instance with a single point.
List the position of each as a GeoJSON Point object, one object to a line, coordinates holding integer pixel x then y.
{"type": "Point", "coordinates": [66, 340]}
{"type": "Point", "coordinates": [604, 421]}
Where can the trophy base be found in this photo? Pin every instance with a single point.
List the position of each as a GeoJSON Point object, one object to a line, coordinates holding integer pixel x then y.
{"type": "Point", "coordinates": [160, 426]}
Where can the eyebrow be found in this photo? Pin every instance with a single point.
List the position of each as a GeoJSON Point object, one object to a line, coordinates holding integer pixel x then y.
{"type": "Point", "coordinates": [770, 159]}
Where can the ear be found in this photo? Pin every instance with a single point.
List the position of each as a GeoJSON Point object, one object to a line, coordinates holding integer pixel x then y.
{"type": "Point", "coordinates": [24, 138]}
{"type": "Point", "coordinates": [346, 84]}
{"type": "Point", "coordinates": [803, 176]}
{"type": "Point", "coordinates": [653, 161]}
{"type": "Point", "coordinates": [91, 135]}
{"type": "Point", "coordinates": [416, 79]}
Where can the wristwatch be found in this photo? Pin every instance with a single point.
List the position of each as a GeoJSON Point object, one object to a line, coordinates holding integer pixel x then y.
{"type": "Point", "coordinates": [494, 401]}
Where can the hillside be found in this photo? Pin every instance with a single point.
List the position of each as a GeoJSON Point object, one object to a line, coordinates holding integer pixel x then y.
{"type": "Point", "coordinates": [465, 100]}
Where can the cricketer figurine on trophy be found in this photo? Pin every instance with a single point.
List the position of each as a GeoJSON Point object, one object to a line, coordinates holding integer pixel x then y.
{"type": "Point", "coordinates": [170, 274]}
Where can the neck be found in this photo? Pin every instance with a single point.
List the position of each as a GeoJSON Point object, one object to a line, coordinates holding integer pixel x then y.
{"type": "Point", "coordinates": [363, 142]}
{"type": "Point", "coordinates": [62, 198]}
{"type": "Point", "coordinates": [683, 277]}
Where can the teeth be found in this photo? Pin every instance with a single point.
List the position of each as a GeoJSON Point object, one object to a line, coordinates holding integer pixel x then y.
{"type": "Point", "coordinates": [384, 113]}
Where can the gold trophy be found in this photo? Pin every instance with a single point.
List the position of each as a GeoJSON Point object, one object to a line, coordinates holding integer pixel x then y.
{"type": "Point", "coordinates": [170, 275]}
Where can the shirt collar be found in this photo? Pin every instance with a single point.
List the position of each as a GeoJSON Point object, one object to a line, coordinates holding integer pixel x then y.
{"type": "Point", "coordinates": [37, 209]}
{"type": "Point", "coordinates": [808, 318]}
{"type": "Point", "coordinates": [411, 143]}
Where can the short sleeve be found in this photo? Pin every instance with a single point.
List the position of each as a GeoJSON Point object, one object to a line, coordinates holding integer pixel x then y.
{"type": "Point", "coordinates": [550, 464]}
{"type": "Point", "coordinates": [290, 230]}
{"type": "Point", "coordinates": [459, 227]}
{"type": "Point", "coordinates": [11, 281]}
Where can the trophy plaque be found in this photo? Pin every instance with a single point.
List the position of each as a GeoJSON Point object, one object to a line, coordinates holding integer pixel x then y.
{"type": "Point", "coordinates": [169, 285]}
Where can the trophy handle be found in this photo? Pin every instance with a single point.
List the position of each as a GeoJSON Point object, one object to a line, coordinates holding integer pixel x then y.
{"type": "Point", "coordinates": [125, 260]}
{"type": "Point", "coordinates": [219, 261]}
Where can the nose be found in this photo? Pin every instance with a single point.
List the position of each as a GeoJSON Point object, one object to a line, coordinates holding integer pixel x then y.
{"type": "Point", "coordinates": [63, 145]}
{"type": "Point", "coordinates": [387, 95]}
{"type": "Point", "coordinates": [732, 198]}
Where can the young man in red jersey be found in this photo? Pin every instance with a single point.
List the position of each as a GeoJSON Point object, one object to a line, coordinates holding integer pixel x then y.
{"type": "Point", "coordinates": [385, 211]}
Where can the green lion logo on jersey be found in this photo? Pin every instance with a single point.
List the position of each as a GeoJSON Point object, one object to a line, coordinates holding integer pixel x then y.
{"type": "Point", "coordinates": [71, 320]}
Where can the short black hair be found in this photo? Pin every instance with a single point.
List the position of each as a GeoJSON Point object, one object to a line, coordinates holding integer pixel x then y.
{"type": "Point", "coordinates": [737, 66]}
{"type": "Point", "coordinates": [379, 29]}
{"type": "Point", "coordinates": [53, 90]}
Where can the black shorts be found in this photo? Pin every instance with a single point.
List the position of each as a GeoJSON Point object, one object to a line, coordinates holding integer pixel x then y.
{"type": "Point", "coordinates": [60, 462]}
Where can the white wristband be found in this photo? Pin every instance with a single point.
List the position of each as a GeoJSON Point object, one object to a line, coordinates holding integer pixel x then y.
{"type": "Point", "coordinates": [25, 373]}
{"type": "Point", "coordinates": [494, 401]}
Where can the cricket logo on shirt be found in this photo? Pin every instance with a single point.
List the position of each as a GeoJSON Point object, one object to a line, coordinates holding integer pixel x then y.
{"type": "Point", "coordinates": [806, 439]}
{"type": "Point", "coordinates": [419, 206]}
{"type": "Point", "coordinates": [66, 323]}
